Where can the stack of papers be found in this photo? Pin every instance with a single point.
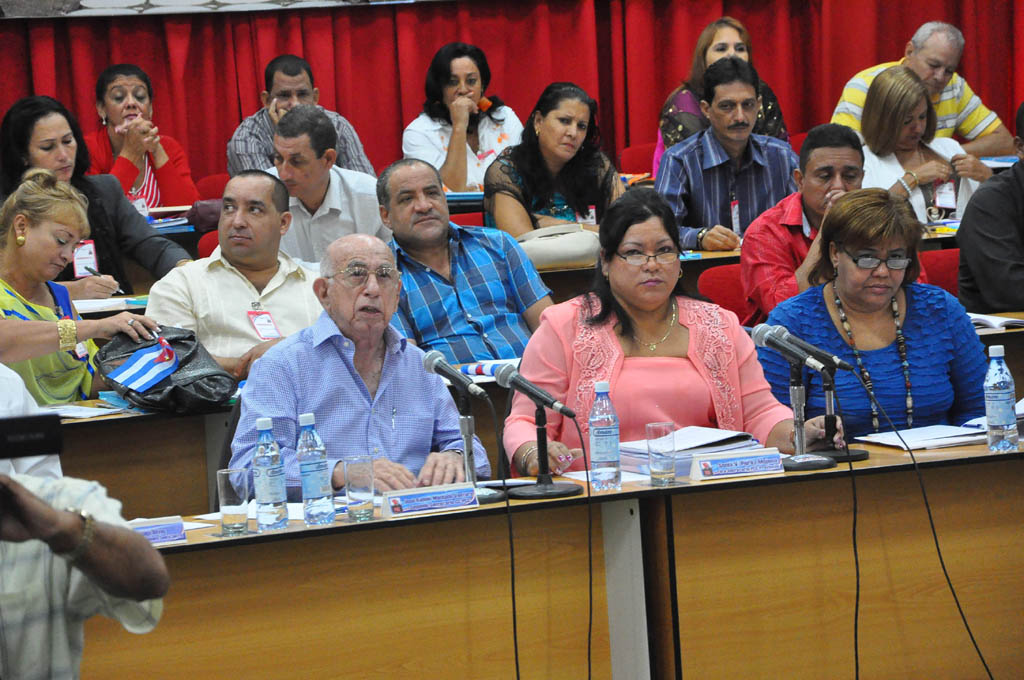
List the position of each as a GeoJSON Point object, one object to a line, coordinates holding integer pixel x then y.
{"type": "Point", "coordinates": [930, 437]}
{"type": "Point", "coordinates": [686, 442]}
{"type": "Point", "coordinates": [75, 411]}
{"type": "Point", "coordinates": [993, 321]}
{"type": "Point", "coordinates": [982, 423]}
{"type": "Point", "coordinates": [113, 304]}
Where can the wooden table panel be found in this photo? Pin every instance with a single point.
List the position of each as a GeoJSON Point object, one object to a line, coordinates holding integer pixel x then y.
{"type": "Point", "coordinates": [429, 600]}
{"type": "Point", "coordinates": [765, 576]}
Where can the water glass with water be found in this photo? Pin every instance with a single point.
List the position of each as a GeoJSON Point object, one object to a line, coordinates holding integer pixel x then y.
{"type": "Point", "coordinates": [359, 488]}
{"type": "Point", "coordinates": [233, 492]}
{"type": "Point", "coordinates": [661, 452]}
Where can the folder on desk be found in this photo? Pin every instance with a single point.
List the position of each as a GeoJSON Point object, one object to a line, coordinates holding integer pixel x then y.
{"type": "Point", "coordinates": [687, 441]}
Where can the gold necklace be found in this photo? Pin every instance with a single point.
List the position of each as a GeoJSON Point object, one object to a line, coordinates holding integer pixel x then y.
{"type": "Point", "coordinates": [654, 345]}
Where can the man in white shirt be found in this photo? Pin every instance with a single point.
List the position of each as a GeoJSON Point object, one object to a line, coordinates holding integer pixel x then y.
{"type": "Point", "coordinates": [16, 401]}
{"type": "Point", "coordinates": [327, 202]}
{"type": "Point", "coordinates": [66, 554]}
{"type": "Point", "coordinates": [248, 294]}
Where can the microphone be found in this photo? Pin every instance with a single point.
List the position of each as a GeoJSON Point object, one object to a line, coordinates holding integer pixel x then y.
{"type": "Point", "coordinates": [434, 362]}
{"type": "Point", "coordinates": [509, 378]}
{"type": "Point", "coordinates": [765, 336]}
{"type": "Point", "coordinates": [824, 356]}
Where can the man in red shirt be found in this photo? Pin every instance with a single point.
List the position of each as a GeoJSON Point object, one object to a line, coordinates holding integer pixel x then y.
{"type": "Point", "coordinates": [781, 246]}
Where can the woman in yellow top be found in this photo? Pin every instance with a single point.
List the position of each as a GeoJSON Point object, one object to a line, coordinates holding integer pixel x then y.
{"type": "Point", "coordinates": [42, 337]}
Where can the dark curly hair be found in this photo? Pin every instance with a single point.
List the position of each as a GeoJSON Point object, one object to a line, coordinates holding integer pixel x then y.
{"type": "Point", "coordinates": [440, 71]}
{"type": "Point", "coordinates": [579, 180]}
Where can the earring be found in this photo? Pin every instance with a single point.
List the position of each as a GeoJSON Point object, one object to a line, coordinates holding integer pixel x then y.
{"type": "Point", "coordinates": [20, 240]}
{"type": "Point", "coordinates": [103, 120]}
{"type": "Point", "coordinates": [680, 272]}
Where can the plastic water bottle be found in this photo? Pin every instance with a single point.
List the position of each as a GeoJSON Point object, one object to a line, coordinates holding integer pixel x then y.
{"type": "Point", "coordinates": [1000, 406]}
{"type": "Point", "coordinates": [605, 467]}
{"type": "Point", "coordinates": [268, 480]}
{"type": "Point", "coordinates": [317, 492]}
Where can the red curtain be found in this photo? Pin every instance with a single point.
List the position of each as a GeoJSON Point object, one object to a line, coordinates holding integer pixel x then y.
{"type": "Point", "coordinates": [370, 61]}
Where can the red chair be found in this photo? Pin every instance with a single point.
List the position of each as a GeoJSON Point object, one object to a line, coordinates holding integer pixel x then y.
{"type": "Point", "coordinates": [636, 160]}
{"type": "Point", "coordinates": [472, 219]}
{"type": "Point", "coordinates": [722, 286]}
{"type": "Point", "coordinates": [796, 140]}
{"type": "Point", "coordinates": [212, 186]}
{"type": "Point", "coordinates": [943, 267]}
{"type": "Point", "coordinates": [207, 243]}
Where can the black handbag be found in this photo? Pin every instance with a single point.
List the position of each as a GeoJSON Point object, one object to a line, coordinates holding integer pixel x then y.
{"type": "Point", "coordinates": [198, 385]}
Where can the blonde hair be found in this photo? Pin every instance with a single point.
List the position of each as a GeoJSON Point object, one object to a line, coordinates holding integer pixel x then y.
{"type": "Point", "coordinates": [40, 197]}
{"type": "Point", "coordinates": [891, 99]}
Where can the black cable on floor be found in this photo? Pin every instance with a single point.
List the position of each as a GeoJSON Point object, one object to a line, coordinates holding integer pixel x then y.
{"type": "Point", "coordinates": [590, 551]}
{"type": "Point", "coordinates": [931, 523]}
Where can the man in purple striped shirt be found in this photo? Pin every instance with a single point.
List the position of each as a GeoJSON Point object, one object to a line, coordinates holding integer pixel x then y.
{"type": "Point", "coordinates": [720, 179]}
{"type": "Point", "coordinates": [364, 383]}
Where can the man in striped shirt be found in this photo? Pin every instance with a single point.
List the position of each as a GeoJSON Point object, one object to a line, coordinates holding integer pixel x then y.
{"type": "Point", "coordinates": [718, 180]}
{"type": "Point", "coordinates": [934, 54]}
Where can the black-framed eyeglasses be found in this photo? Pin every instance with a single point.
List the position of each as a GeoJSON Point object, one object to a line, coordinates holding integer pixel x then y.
{"type": "Point", "coordinates": [356, 276]}
{"type": "Point", "coordinates": [640, 259]}
{"type": "Point", "coordinates": [871, 262]}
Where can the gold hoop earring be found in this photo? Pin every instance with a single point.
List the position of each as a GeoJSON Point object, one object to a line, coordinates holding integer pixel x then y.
{"type": "Point", "coordinates": [20, 240]}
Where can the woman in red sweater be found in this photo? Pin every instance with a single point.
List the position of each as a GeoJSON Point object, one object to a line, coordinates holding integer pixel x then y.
{"type": "Point", "coordinates": [152, 168]}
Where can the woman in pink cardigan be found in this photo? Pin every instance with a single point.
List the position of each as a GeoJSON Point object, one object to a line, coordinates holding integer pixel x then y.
{"type": "Point", "coordinates": [667, 357]}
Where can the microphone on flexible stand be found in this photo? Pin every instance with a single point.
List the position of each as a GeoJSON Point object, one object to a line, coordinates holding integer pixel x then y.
{"type": "Point", "coordinates": [508, 377]}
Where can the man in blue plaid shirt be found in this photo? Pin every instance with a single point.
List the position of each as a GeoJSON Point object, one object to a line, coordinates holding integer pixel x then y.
{"type": "Point", "coordinates": [470, 293]}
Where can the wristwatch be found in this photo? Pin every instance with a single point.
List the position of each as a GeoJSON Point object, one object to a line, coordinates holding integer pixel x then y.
{"type": "Point", "coordinates": [89, 528]}
{"type": "Point", "coordinates": [700, 238]}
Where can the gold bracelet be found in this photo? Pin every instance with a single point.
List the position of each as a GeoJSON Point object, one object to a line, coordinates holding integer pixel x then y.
{"type": "Point", "coordinates": [913, 174]}
{"type": "Point", "coordinates": [67, 333]}
{"type": "Point", "coordinates": [524, 460]}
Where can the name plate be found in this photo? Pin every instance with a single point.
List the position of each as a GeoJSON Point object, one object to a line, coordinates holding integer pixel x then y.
{"type": "Point", "coordinates": [709, 466]}
{"type": "Point", "coordinates": [161, 530]}
{"type": "Point", "coordinates": [428, 499]}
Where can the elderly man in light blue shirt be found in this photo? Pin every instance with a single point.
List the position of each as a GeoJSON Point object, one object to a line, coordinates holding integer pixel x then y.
{"type": "Point", "coordinates": [365, 384]}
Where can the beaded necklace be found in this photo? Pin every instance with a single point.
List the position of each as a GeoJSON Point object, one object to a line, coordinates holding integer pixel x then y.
{"type": "Point", "coordinates": [901, 344]}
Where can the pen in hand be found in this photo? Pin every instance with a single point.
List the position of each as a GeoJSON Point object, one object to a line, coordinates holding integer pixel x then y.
{"type": "Point", "coordinates": [96, 273]}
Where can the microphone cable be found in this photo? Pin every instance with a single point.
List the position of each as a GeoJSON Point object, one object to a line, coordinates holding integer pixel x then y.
{"type": "Point", "coordinates": [590, 547]}
{"type": "Point", "coordinates": [499, 430]}
{"type": "Point", "coordinates": [856, 551]}
{"type": "Point", "coordinates": [931, 523]}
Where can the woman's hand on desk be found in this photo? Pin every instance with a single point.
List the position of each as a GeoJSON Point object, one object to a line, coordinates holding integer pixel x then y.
{"type": "Point", "coordinates": [91, 287]}
{"type": "Point", "coordinates": [135, 326]}
{"type": "Point", "coordinates": [560, 458]}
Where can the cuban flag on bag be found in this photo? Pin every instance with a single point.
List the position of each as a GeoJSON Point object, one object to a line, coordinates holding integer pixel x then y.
{"type": "Point", "coordinates": [146, 367]}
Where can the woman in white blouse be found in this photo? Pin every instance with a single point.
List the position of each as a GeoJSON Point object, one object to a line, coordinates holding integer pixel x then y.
{"type": "Point", "coordinates": [460, 131]}
{"type": "Point", "coordinates": [903, 155]}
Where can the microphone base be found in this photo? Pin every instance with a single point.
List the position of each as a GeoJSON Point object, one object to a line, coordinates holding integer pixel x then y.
{"type": "Point", "coordinates": [842, 456]}
{"type": "Point", "coordinates": [545, 489]}
{"type": "Point", "coordinates": [486, 495]}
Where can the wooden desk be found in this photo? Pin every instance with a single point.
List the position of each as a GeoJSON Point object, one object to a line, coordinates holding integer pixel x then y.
{"type": "Point", "coordinates": [407, 599]}
{"type": "Point", "coordinates": [761, 575]}
{"type": "Point", "coordinates": [155, 464]}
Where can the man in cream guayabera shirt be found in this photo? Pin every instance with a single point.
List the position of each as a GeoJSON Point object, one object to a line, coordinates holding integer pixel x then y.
{"type": "Point", "coordinates": [248, 294]}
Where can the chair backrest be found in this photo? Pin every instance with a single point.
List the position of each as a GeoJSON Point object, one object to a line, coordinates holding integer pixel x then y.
{"type": "Point", "coordinates": [212, 186]}
{"type": "Point", "coordinates": [636, 160]}
{"type": "Point", "coordinates": [471, 219]}
{"type": "Point", "coordinates": [722, 286]}
{"type": "Point", "coordinates": [207, 243]}
{"type": "Point", "coordinates": [943, 267]}
{"type": "Point", "coordinates": [796, 140]}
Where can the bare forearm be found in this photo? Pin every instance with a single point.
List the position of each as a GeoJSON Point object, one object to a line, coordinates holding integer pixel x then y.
{"type": "Point", "coordinates": [453, 171]}
{"type": "Point", "coordinates": [107, 555]}
{"type": "Point", "coordinates": [999, 143]}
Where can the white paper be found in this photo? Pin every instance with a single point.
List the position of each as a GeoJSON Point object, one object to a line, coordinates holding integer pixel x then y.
{"type": "Point", "coordinates": [930, 437]}
{"type": "Point", "coordinates": [982, 423]}
{"type": "Point", "coordinates": [581, 476]}
{"type": "Point", "coordinates": [693, 437]}
{"type": "Point", "coordinates": [105, 305]}
{"type": "Point", "coordinates": [74, 411]}
{"type": "Point", "coordinates": [993, 321]}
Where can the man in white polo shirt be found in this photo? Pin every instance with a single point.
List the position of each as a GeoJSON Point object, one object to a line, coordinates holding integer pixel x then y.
{"type": "Point", "coordinates": [248, 294]}
{"type": "Point", "coordinates": [327, 202]}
